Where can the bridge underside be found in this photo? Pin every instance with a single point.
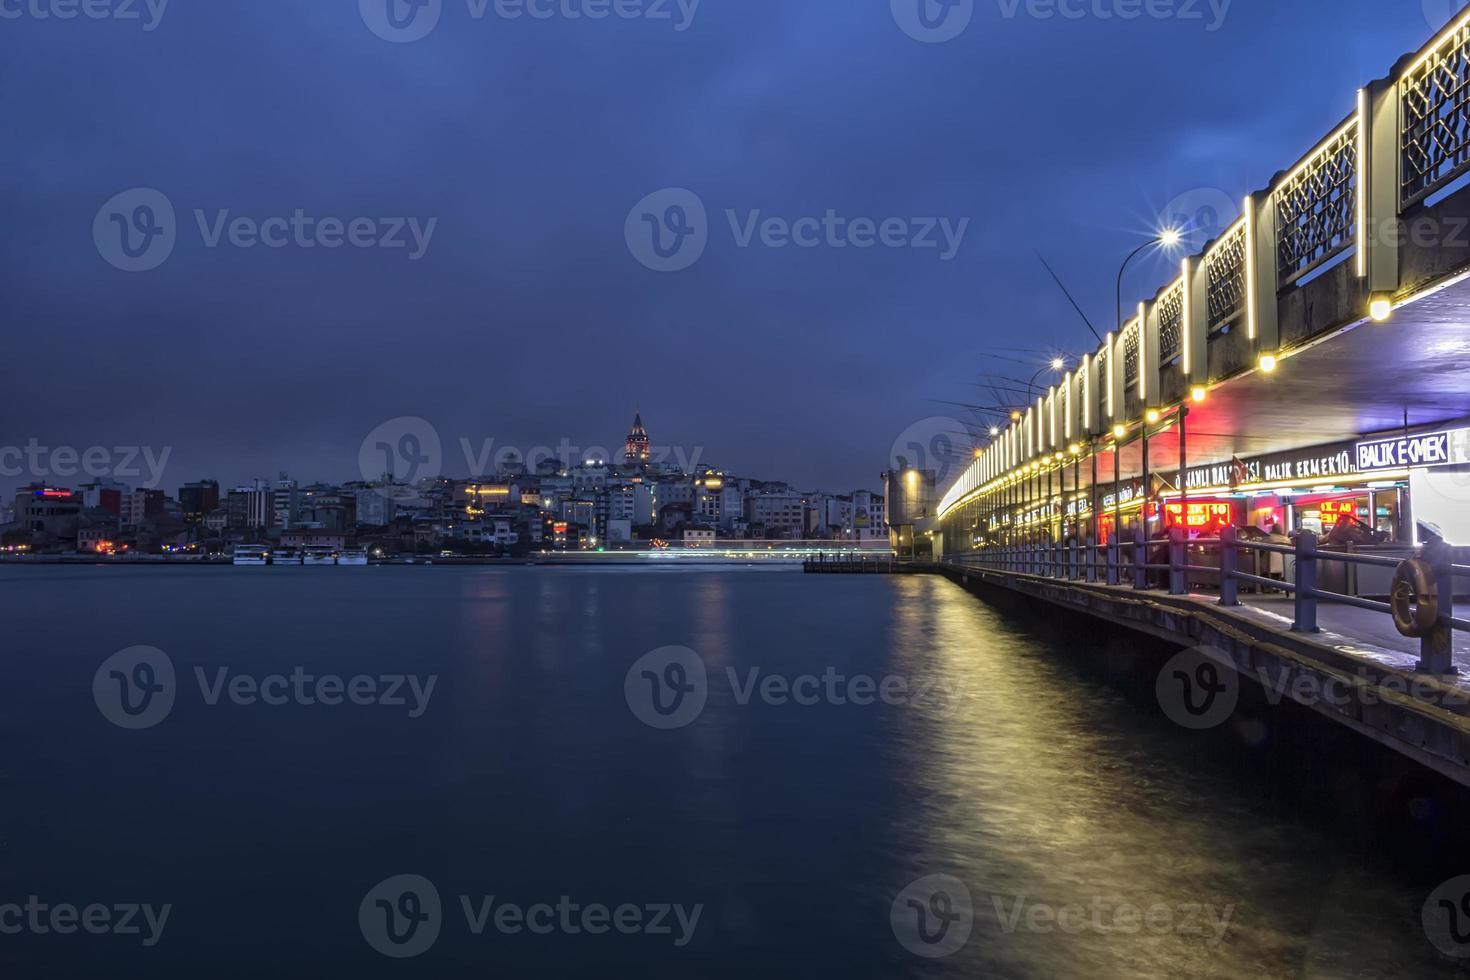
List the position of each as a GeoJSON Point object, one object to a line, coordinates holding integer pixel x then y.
{"type": "Point", "coordinates": [1367, 378]}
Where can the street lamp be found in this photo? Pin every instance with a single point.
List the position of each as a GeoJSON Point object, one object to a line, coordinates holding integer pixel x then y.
{"type": "Point", "coordinates": [1057, 364]}
{"type": "Point", "coordinates": [1168, 237]}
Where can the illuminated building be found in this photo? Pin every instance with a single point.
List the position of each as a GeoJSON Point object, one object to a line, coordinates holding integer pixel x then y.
{"type": "Point", "coordinates": [635, 450]}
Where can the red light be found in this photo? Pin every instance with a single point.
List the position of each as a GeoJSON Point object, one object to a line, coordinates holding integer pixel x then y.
{"type": "Point", "coordinates": [1199, 516]}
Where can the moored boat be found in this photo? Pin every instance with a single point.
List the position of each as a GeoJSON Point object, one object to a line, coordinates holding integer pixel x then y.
{"type": "Point", "coordinates": [251, 554]}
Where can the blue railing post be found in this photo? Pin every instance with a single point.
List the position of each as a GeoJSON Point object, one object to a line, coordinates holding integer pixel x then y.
{"type": "Point", "coordinates": [1436, 650]}
{"type": "Point", "coordinates": [1229, 562]}
{"type": "Point", "coordinates": [1306, 583]}
{"type": "Point", "coordinates": [1073, 554]}
{"type": "Point", "coordinates": [1140, 558]}
{"type": "Point", "coordinates": [1113, 560]}
{"type": "Point", "coordinates": [1176, 560]}
{"type": "Point", "coordinates": [1091, 560]}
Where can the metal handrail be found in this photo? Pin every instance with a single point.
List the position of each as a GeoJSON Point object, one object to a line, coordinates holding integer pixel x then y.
{"type": "Point", "coordinates": [1055, 560]}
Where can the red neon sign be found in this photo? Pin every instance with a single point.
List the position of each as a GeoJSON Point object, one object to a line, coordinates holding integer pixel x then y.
{"type": "Point", "coordinates": [1199, 516]}
{"type": "Point", "coordinates": [1333, 511]}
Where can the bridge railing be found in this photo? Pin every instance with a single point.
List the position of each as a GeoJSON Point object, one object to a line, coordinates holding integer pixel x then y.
{"type": "Point", "coordinates": [1165, 564]}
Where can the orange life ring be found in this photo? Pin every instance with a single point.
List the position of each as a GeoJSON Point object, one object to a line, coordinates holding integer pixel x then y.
{"type": "Point", "coordinates": [1415, 598]}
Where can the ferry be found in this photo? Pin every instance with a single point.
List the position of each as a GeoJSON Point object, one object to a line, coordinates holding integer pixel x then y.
{"type": "Point", "coordinates": [251, 554]}
{"type": "Point", "coordinates": [320, 556]}
{"type": "Point", "coordinates": [357, 556]}
{"type": "Point", "coordinates": [286, 556]}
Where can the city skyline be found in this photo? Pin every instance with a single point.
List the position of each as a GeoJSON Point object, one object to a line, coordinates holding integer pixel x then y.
{"type": "Point", "coordinates": [460, 459]}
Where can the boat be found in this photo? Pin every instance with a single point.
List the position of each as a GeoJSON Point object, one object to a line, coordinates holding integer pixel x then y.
{"type": "Point", "coordinates": [286, 556]}
{"type": "Point", "coordinates": [355, 556]}
{"type": "Point", "coordinates": [251, 554]}
{"type": "Point", "coordinates": [319, 556]}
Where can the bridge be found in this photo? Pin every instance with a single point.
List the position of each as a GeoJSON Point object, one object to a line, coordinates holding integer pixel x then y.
{"type": "Point", "coordinates": [1247, 461]}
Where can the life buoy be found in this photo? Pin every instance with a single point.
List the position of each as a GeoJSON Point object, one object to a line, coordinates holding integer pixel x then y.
{"type": "Point", "coordinates": [1415, 598]}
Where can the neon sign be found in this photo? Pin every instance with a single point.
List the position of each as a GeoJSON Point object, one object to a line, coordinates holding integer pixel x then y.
{"type": "Point", "coordinates": [1199, 516]}
{"type": "Point", "coordinates": [1333, 511]}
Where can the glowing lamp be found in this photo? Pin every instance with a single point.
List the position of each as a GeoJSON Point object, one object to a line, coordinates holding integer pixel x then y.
{"type": "Point", "coordinates": [1199, 393]}
{"type": "Point", "coordinates": [1380, 307]}
{"type": "Point", "coordinates": [1120, 431]}
{"type": "Point", "coordinates": [1267, 363]}
{"type": "Point", "coordinates": [1170, 237]}
{"type": "Point", "coordinates": [1152, 416]}
{"type": "Point", "coordinates": [1057, 364]}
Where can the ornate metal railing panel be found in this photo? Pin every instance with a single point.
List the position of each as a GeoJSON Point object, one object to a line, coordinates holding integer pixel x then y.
{"type": "Point", "coordinates": [1171, 323]}
{"type": "Point", "coordinates": [1317, 207]}
{"type": "Point", "coordinates": [1435, 106]}
{"type": "Point", "coordinates": [1132, 334]}
{"type": "Point", "coordinates": [1225, 267]}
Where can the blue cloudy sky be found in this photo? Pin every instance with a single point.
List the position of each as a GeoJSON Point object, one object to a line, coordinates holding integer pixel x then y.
{"type": "Point", "coordinates": [518, 159]}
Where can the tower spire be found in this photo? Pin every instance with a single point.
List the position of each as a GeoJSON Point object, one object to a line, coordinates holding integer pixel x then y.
{"type": "Point", "coordinates": [635, 450]}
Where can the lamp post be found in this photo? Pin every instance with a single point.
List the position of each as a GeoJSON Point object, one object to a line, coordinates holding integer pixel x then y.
{"type": "Point", "coordinates": [1168, 238]}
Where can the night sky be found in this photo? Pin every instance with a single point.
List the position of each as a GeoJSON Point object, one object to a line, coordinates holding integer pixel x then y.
{"type": "Point", "coordinates": [526, 146]}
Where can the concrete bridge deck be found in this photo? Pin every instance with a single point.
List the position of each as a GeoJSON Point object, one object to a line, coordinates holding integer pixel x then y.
{"type": "Point", "coordinates": [1358, 655]}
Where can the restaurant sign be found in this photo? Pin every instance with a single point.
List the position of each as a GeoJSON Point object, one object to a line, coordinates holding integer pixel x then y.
{"type": "Point", "coordinates": [1423, 449]}
{"type": "Point", "coordinates": [1302, 464]}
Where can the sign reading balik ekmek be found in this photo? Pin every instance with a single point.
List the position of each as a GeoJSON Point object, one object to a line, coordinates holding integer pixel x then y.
{"type": "Point", "coordinates": [1445, 448]}
{"type": "Point", "coordinates": [1424, 449]}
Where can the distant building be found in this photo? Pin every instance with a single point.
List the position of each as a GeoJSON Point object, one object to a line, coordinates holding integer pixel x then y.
{"type": "Point", "coordinates": [104, 494]}
{"type": "Point", "coordinates": [698, 536]}
{"type": "Point", "coordinates": [48, 510]}
{"type": "Point", "coordinates": [636, 449]}
{"type": "Point", "coordinates": [285, 503]}
{"type": "Point", "coordinates": [782, 512]}
{"type": "Point", "coordinates": [139, 506]}
{"type": "Point", "coordinates": [306, 537]}
{"type": "Point", "coordinates": [252, 506]}
{"type": "Point", "coordinates": [197, 500]}
{"type": "Point", "coordinates": [375, 507]}
{"type": "Point", "coordinates": [912, 497]}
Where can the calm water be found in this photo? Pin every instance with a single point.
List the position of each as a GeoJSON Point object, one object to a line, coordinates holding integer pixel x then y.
{"type": "Point", "coordinates": [528, 776]}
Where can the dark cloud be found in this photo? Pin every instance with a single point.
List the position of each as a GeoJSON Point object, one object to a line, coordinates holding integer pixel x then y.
{"type": "Point", "coordinates": [527, 320]}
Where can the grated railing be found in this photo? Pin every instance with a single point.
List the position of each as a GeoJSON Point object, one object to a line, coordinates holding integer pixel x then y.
{"type": "Point", "coordinates": [1434, 100]}
{"type": "Point", "coordinates": [1171, 323]}
{"type": "Point", "coordinates": [1317, 207]}
{"type": "Point", "coordinates": [1225, 269]}
{"type": "Point", "coordinates": [1131, 337]}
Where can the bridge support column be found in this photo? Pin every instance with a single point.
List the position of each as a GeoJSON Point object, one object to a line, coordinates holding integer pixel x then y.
{"type": "Point", "coordinates": [1262, 326]}
{"type": "Point", "coordinates": [1378, 183]}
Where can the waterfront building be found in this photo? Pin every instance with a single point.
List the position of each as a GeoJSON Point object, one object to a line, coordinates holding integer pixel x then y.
{"type": "Point", "coordinates": [46, 515]}
{"type": "Point", "coordinates": [781, 512]}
